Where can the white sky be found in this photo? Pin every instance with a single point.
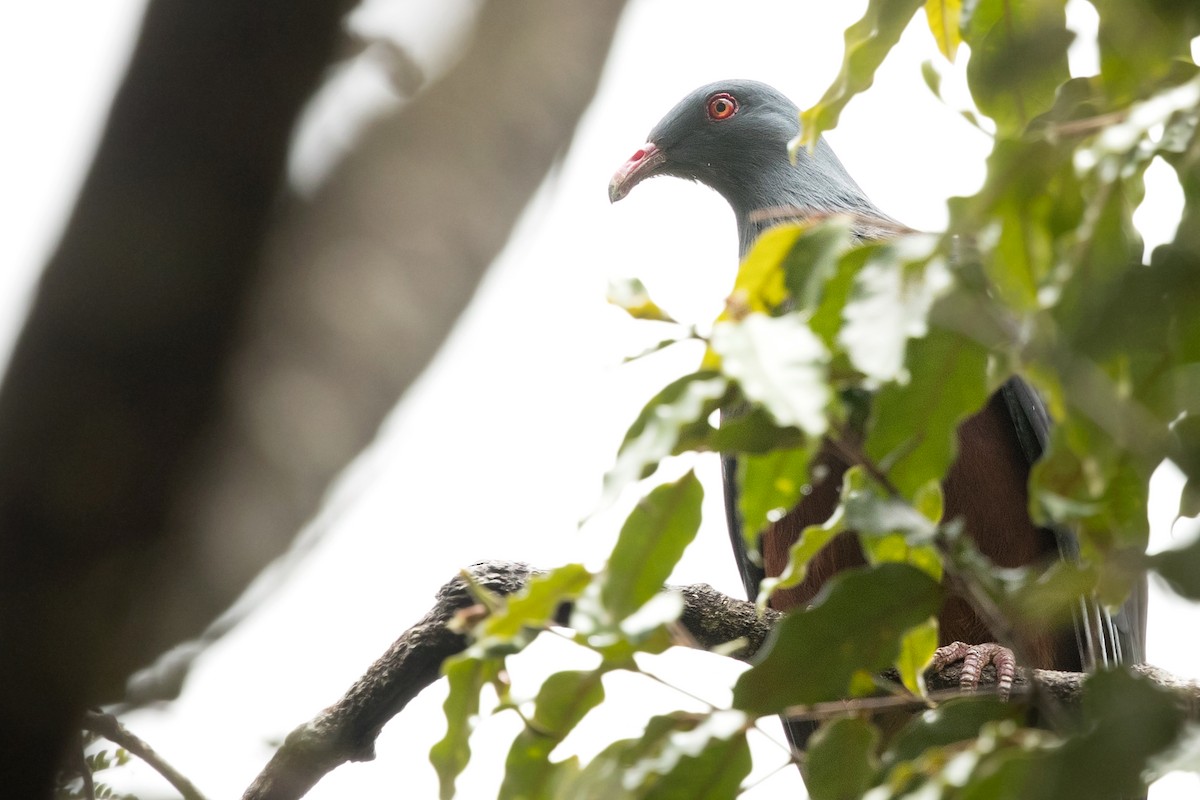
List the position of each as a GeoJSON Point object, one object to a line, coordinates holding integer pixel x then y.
{"type": "Point", "coordinates": [537, 352]}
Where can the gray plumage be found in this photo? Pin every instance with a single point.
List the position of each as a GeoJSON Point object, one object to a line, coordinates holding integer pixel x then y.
{"type": "Point", "coordinates": [745, 159]}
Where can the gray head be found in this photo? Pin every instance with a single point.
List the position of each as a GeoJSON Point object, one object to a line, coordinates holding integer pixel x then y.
{"type": "Point", "coordinates": [733, 136]}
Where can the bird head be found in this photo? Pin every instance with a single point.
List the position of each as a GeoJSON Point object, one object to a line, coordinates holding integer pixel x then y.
{"type": "Point", "coordinates": [734, 137]}
{"type": "Point", "coordinates": [722, 135]}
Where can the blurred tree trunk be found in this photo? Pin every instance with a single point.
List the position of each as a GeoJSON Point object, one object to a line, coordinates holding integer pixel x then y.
{"type": "Point", "coordinates": [177, 402]}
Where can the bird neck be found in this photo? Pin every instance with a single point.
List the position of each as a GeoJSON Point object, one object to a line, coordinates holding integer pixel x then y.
{"type": "Point", "coordinates": [815, 185]}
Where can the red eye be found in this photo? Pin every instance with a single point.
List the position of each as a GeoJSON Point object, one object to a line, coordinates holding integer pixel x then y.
{"type": "Point", "coordinates": [722, 106]}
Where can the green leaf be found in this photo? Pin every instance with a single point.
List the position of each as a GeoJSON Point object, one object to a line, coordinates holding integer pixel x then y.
{"type": "Point", "coordinates": [753, 432]}
{"type": "Point", "coordinates": [1180, 567]}
{"type": "Point", "coordinates": [671, 415]}
{"type": "Point", "coordinates": [943, 16]}
{"type": "Point", "coordinates": [631, 295]}
{"type": "Point", "coordinates": [680, 755]}
{"type": "Point", "coordinates": [650, 543]}
{"type": "Point", "coordinates": [770, 485]}
{"type": "Point", "coordinates": [449, 756]}
{"type": "Point", "coordinates": [856, 624]}
{"type": "Point", "coordinates": [604, 777]}
{"type": "Point", "coordinates": [1128, 721]}
{"type": "Point", "coordinates": [707, 763]}
{"type": "Point", "coordinates": [1184, 757]}
{"type": "Point", "coordinates": [827, 318]}
{"type": "Point", "coordinates": [912, 433]}
{"type": "Point", "coordinates": [536, 604]}
{"type": "Point", "coordinates": [778, 363]}
{"type": "Point", "coordinates": [841, 762]}
{"type": "Point", "coordinates": [813, 260]}
{"type": "Point", "coordinates": [1018, 59]}
{"type": "Point", "coordinates": [1140, 41]}
{"type": "Point", "coordinates": [564, 699]}
{"type": "Point", "coordinates": [951, 722]}
{"type": "Point", "coordinates": [1185, 452]}
{"type": "Point", "coordinates": [889, 304]}
{"type": "Point", "coordinates": [812, 539]}
{"type": "Point", "coordinates": [759, 285]}
{"type": "Point", "coordinates": [916, 652]}
{"type": "Point", "coordinates": [868, 42]}
{"type": "Point", "coordinates": [877, 515]}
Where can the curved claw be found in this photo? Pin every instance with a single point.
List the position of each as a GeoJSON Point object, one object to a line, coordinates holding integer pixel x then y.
{"type": "Point", "coordinates": [975, 657]}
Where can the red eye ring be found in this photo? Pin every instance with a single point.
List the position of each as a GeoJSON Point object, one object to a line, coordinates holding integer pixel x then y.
{"type": "Point", "coordinates": [721, 106]}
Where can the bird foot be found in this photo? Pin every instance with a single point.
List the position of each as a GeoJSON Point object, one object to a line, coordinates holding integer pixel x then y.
{"type": "Point", "coordinates": [975, 657]}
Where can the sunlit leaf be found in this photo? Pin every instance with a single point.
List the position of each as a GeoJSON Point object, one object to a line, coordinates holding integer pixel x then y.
{"type": "Point", "coordinates": [759, 286]}
{"type": "Point", "coordinates": [631, 295]}
{"type": "Point", "coordinates": [889, 305]}
{"type": "Point", "coordinates": [943, 16]}
{"type": "Point", "coordinates": [779, 364]}
{"type": "Point", "coordinates": [916, 652]}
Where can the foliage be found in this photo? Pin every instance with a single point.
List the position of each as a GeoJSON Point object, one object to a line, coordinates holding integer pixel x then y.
{"type": "Point", "coordinates": [72, 787]}
{"type": "Point", "coordinates": [884, 348]}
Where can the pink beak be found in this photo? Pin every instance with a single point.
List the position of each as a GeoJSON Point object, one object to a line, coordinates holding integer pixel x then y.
{"type": "Point", "coordinates": [641, 165]}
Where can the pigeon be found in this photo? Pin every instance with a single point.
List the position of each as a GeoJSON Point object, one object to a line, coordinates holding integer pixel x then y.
{"type": "Point", "coordinates": [734, 136]}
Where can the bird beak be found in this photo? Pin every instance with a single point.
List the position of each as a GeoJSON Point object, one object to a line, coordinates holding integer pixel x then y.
{"type": "Point", "coordinates": [641, 165]}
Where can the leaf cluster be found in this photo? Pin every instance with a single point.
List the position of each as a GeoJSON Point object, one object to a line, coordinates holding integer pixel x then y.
{"type": "Point", "coordinates": [879, 350]}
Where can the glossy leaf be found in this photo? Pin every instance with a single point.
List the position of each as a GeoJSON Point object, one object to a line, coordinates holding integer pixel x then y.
{"type": "Point", "coordinates": [779, 364]}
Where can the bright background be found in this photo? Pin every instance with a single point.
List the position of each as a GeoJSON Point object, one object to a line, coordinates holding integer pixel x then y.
{"type": "Point", "coordinates": [498, 451]}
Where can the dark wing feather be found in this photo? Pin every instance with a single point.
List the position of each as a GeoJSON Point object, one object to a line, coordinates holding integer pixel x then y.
{"type": "Point", "coordinates": [1104, 638]}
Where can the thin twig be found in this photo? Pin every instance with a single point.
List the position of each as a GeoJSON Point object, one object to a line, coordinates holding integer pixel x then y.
{"type": "Point", "coordinates": [110, 728]}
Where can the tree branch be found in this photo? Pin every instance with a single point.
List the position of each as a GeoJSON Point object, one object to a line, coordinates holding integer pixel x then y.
{"type": "Point", "coordinates": [110, 728]}
{"type": "Point", "coordinates": [346, 731]}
